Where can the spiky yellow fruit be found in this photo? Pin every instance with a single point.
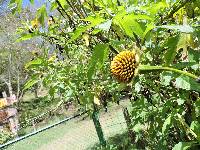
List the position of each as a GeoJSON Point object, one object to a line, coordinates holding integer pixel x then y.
{"type": "Point", "coordinates": [124, 66]}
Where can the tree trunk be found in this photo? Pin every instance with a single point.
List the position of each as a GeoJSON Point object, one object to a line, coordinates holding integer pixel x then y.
{"type": "Point", "coordinates": [9, 75]}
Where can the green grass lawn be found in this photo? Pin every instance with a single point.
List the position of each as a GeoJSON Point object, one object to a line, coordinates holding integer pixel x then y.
{"type": "Point", "coordinates": [76, 134]}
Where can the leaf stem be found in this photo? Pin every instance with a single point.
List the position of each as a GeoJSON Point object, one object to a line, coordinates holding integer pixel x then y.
{"type": "Point", "coordinates": [151, 68]}
{"type": "Point", "coordinates": [185, 125]}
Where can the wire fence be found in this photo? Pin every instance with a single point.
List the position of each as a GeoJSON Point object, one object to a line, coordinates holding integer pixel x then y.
{"type": "Point", "coordinates": [72, 133]}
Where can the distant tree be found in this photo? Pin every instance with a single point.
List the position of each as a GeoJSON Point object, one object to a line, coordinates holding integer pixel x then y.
{"type": "Point", "coordinates": [13, 55]}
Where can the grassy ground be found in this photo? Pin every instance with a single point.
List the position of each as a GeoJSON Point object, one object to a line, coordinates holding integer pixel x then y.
{"type": "Point", "coordinates": [76, 134]}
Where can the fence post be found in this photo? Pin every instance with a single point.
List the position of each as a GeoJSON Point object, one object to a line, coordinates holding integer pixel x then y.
{"type": "Point", "coordinates": [95, 118]}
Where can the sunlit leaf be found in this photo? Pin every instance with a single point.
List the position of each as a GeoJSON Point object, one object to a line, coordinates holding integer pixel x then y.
{"type": "Point", "coordinates": [130, 23]}
{"type": "Point", "coordinates": [105, 26]}
{"type": "Point", "coordinates": [166, 124]}
{"type": "Point", "coordinates": [131, 26]}
{"type": "Point", "coordinates": [185, 41]}
{"type": "Point", "coordinates": [54, 5]}
{"type": "Point", "coordinates": [182, 146]}
{"type": "Point", "coordinates": [62, 2]}
{"type": "Point", "coordinates": [34, 62]}
{"type": "Point", "coordinates": [31, 82]}
{"type": "Point", "coordinates": [165, 78]}
{"type": "Point", "coordinates": [180, 101]}
{"type": "Point", "coordinates": [185, 82]}
{"type": "Point", "coordinates": [155, 7]}
{"type": "Point", "coordinates": [81, 29]}
{"type": "Point", "coordinates": [25, 37]}
{"type": "Point", "coordinates": [96, 101]}
{"type": "Point", "coordinates": [181, 28]}
{"type": "Point", "coordinates": [78, 32]}
{"type": "Point", "coordinates": [94, 20]}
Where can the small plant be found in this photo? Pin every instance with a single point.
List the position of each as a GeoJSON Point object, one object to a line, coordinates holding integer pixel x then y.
{"type": "Point", "coordinates": [5, 136]}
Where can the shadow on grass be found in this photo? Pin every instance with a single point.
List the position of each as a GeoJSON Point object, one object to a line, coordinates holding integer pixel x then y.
{"type": "Point", "coordinates": [117, 142]}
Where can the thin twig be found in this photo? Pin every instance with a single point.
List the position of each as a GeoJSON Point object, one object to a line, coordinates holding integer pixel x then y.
{"type": "Point", "coordinates": [176, 8]}
{"type": "Point", "coordinates": [82, 8]}
{"type": "Point", "coordinates": [68, 16]}
{"type": "Point", "coordinates": [73, 8]}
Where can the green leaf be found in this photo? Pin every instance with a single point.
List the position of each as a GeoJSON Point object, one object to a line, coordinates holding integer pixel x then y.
{"type": "Point", "coordinates": [165, 78]}
{"type": "Point", "coordinates": [148, 28]}
{"type": "Point", "coordinates": [195, 126]}
{"type": "Point", "coordinates": [31, 82]}
{"type": "Point", "coordinates": [62, 2]}
{"type": "Point", "coordinates": [13, 4]}
{"type": "Point", "coordinates": [98, 58]}
{"type": "Point", "coordinates": [180, 101]}
{"type": "Point", "coordinates": [81, 29]}
{"type": "Point", "coordinates": [171, 52]}
{"type": "Point", "coordinates": [42, 14]}
{"type": "Point", "coordinates": [182, 146]}
{"type": "Point", "coordinates": [25, 37]}
{"type": "Point", "coordinates": [185, 41]}
{"type": "Point", "coordinates": [131, 26]}
{"type": "Point", "coordinates": [193, 55]}
{"type": "Point", "coordinates": [129, 23]}
{"type": "Point", "coordinates": [166, 124]}
{"type": "Point", "coordinates": [54, 5]}
{"type": "Point", "coordinates": [94, 20]}
{"type": "Point", "coordinates": [180, 28]}
{"type": "Point", "coordinates": [34, 62]}
{"type": "Point", "coordinates": [138, 87]}
{"type": "Point", "coordinates": [19, 5]}
{"type": "Point", "coordinates": [185, 82]}
{"type": "Point", "coordinates": [105, 26]}
{"type": "Point", "coordinates": [32, 1]}
{"type": "Point", "coordinates": [77, 33]}
{"type": "Point", "coordinates": [154, 8]}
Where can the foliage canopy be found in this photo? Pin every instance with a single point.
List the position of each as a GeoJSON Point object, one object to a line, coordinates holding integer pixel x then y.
{"type": "Point", "coordinates": [84, 36]}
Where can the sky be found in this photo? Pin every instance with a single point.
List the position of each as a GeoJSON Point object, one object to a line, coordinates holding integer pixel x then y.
{"type": "Point", "coordinates": [37, 3]}
{"type": "Point", "coordinates": [26, 3]}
